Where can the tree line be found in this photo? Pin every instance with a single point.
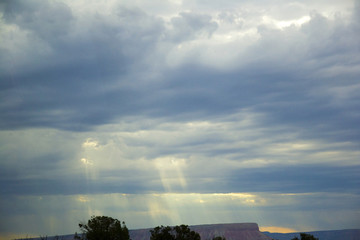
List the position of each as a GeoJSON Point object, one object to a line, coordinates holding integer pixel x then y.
{"type": "Point", "coordinates": [108, 228]}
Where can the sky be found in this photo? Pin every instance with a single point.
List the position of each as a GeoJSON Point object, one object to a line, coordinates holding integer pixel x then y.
{"type": "Point", "coordinates": [171, 112]}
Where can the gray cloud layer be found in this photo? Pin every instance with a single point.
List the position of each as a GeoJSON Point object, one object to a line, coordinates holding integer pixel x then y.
{"type": "Point", "coordinates": [67, 73]}
{"type": "Point", "coordinates": [180, 97]}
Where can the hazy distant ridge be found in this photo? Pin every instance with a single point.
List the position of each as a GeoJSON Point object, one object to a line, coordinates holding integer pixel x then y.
{"type": "Point", "coordinates": [347, 234]}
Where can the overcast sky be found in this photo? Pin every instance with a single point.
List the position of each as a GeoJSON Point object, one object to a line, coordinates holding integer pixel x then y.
{"type": "Point", "coordinates": [179, 111]}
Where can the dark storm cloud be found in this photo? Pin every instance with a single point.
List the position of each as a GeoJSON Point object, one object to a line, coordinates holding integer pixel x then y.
{"type": "Point", "coordinates": [285, 98]}
{"type": "Point", "coordinates": [300, 179]}
{"type": "Point", "coordinates": [86, 78]}
{"type": "Point", "coordinates": [71, 83]}
{"type": "Point", "coordinates": [281, 179]}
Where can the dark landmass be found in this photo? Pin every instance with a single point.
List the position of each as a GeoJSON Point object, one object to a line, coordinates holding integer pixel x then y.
{"type": "Point", "coordinates": [238, 231]}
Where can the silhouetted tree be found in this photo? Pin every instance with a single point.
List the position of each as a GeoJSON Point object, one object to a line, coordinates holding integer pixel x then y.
{"type": "Point", "coordinates": [162, 233]}
{"type": "Point", "coordinates": [181, 232]}
{"type": "Point", "coordinates": [104, 228]}
{"type": "Point", "coordinates": [76, 236]}
{"type": "Point", "coordinates": [305, 236]}
{"type": "Point", "coordinates": [219, 238]}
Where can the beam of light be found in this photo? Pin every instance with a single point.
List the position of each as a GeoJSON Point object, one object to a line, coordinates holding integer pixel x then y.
{"type": "Point", "coordinates": [87, 146]}
{"type": "Point", "coordinates": [162, 209]}
{"type": "Point", "coordinates": [171, 175]}
{"type": "Point", "coordinates": [171, 172]}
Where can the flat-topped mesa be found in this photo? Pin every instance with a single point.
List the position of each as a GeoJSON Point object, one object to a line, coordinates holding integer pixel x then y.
{"type": "Point", "coordinates": [228, 226]}
{"type": "Point", "coordinates": [233, 231]}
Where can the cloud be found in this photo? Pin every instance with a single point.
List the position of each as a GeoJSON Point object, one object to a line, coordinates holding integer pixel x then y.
{"type": "Point", "coordinates": [223, 156]}
{"type": "Point", "coordinates": [91, 68]}
{"type": "Point", "coordinates": [188, 26]}
{"type": "Point", "coordinates": [81, 69]}
{"type": "Point", "coordinates": [176, 103]}
{"type": "Point", "coordinates": [48, 20]}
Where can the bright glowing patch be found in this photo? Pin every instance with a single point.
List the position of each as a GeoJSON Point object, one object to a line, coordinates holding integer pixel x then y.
{"type": "Point", "coordinates": [199, 124]}
{"type": "Point", "coordinates": [275, 229]}
{"type": "Point", "coordinates": [91, 143]}
{"type": "Point", "coordinates": [244, 198]}
{"type": "Point", "coordinates": [86, 161]}
{"type": "Point", "coordinates": [284, 24]}
{"type": "Point", "coordinates": [83, 199]}
{"type": "Point", "coordinates": [296, 194]}
{"type": "Point", "coordinates": [290, 147]}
